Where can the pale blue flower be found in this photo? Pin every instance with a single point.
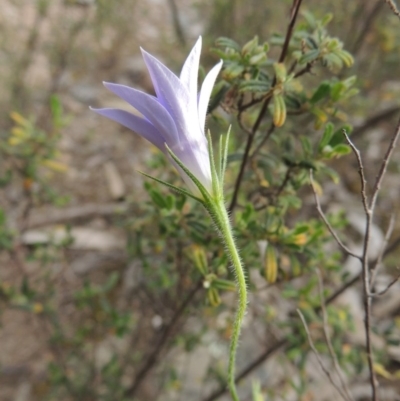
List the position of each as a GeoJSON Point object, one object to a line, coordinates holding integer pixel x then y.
{"type": "Point", "coordinates": [175, 117]}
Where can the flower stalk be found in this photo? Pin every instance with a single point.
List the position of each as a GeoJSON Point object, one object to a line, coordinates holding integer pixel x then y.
{"type": "Point", "coordinates": [215, 206]}
{"type": "Point", "coordinates": [220, 217]}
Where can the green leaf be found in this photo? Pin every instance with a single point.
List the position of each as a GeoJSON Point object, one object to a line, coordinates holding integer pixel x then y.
{"type": "Point", "coordinates": [327, 136]}
{"type": "Point", "coordinates": [323, 91]}
{"type": "Point", "coordinates": [257, 58]}
{"type": "Point", "coordinates": [309, 56]}
{"type": "Point", "coordinates": [157, 198]}
{"type": "Point", "coordinates": [254, 85]}
{"type": "Point", "coordinates": [338, 135]}
{"type": "Point", "coordinates": [341, 149]}
{"type": "Point", "coordinates": [250, 46]}
{"type": "Point", "coordinates": [224, 285]}
{"type": "Point", "coordinates": [326, 19]}
{"type": "Point", "coordinates": [333, 61]}
{"type": "Point", "coordinates": [226, 42]}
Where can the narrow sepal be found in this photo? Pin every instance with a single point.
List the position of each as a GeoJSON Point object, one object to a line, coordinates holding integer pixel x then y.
{"type": "Point", "coordinates": [214, 174]}
{"type": "Point", "coordinates": [173, 187]}
{"type": "Point", "coordinates": [199, 185]}
{"type": "Point", "coordinates": [224, 158]}
{"type": "Point", "coordinates": [220, 157]}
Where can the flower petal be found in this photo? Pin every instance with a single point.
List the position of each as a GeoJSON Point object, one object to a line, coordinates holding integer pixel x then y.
{"type": "Point", "coordinates": [205, 93]}
{"type": "Point", "coordinates": [171, 92]}
{"type": "Point", "coordinates": [190, 70]}
{"type": "Point", "coordinates": [134, 123]}
{"type": "Point", "coordinates": [150, 107]}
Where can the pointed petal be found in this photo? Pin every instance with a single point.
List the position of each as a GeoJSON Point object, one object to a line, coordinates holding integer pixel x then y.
{"type": "Point", "coordinates": [171, 93]}
{"type": "Point", "coordinates": [190, 69]}
{"type": "Point", "coordinates": [150, 107]}
{"type": "Point", "coordinates": [134, 123]}
{"type": "Point", "coordinates": [205, 93]}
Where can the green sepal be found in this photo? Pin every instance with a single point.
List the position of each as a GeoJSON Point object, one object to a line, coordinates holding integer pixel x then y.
{"type": "Point", "coordinates": [173, 187]}
{"type": "Point", "coordinates": [214, 174]}
{"type": "Point", "coordinates": [224, 157]}
{"type": "Point", "coordinates": [200, 186]}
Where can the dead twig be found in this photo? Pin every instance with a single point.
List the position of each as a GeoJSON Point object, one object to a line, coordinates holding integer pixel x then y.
{"type": "Point", "coordinates": [377, 263]}
{"type": "Point", "coordinates": [328, 225]}
{"type": "Point", "coordinates": [365, 268]}
{"type": "Point", "coordinates": [155, 354]}
{"type": "Point", "coordinates": [393, 7]}
{"type": "Point", "coordinates": [328, 341]}
{"type": "Point", "coordinates": [250, 138]}
{"type": "Point", "coordinates": [369, 208]}
{"type": "Point", "coordinates": [383, 292]}
{"type": "Point", "coordinates": [321, 364]}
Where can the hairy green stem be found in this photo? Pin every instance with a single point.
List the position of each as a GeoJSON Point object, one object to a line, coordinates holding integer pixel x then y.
{"type": "Point", "coordinates": [220, 216]}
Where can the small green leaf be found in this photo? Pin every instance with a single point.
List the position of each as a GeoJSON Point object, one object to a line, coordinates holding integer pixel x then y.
{"type": "Point", "coordinates": [309, 56]}
{"type": "Point", "coordinates": [224, 285]}
{"type": "Point", "coordinates": [157, 198]}
{"type": "Point", "coordinates": [257, 58]}
{"type": "Point", "coordinates": [280, 72]}
{"type": "Point", "coordinates": [323, 91]}
{"type": "Point", "coordinates": [254, 85]}
{"type": "Point", "coordinates": [227, 43]}
{"type": "Point", "coordinates": [250, 46]}
{"type": "Point", "coordinates": [341, 149]}
{"type": "Point", "coordinates": [327, 136]}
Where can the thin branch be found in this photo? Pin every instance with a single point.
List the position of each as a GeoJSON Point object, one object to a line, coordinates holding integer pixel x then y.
{"type": "Point", "coordinates": [369, 212]}
{"type": "Point", "coordinates": [360, 172]}
{"type": "Point", "coordinates": [377, 263]}
{"type": "Point", "coordinates": [293, 17]}
{"type": "Point", "coordinates": [153, 357]}
{"type": "Point", "coordinates": [383, 292]}
{"type": "Point", "coordinates": [384, 165]}
{"type": "Point", "coordinates": [393, 7]}
{"type": "Point", "coordinates": [328, 225]}
{"type": "Point", "coordinates": [321, 364]}
{"type": "Point", "coordinates": [383, 115]}
{"type": "Point", "coordinates": [328, 341]}
{"type": "Point", "coordinates": [265, 139]}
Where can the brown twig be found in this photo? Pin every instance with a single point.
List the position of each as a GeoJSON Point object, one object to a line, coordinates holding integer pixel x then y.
{"type": "Point", "coordinates": [384, 115]}
{"type": "Point", "coordinates": [328, 341]}
{"type": "Point", "coordinates": [369, 208]}
{"type": "Point", "coordinates": [375, 268]}
{"type": "Point", "coordinates": [393, 7]}
{"type": "Point", "coordinates": [153, 357]}
{"type": "Point", "coordinates": [365, 268]}
{"type": "Point", "coordinates": [250, 138]}
{"type": "Point", "coordinates": [384, 291]}
{"type": "Point", "coordinates": [328, 225]}
{"type": "Point", "coordinates": [384, 165]}
{"type": "Point", "coordinates": [317, 355]}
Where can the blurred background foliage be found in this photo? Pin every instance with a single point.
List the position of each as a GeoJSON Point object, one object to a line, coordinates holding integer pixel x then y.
{"type": "Point", "coordinates": [111, 287]}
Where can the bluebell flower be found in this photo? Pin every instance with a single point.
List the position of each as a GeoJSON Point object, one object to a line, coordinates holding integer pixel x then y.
{"type": "Point", "coordinates": [175, 116]}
